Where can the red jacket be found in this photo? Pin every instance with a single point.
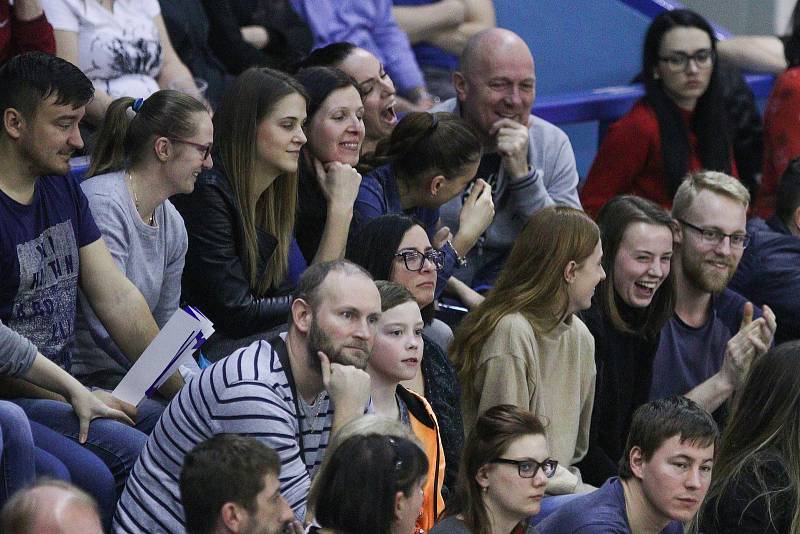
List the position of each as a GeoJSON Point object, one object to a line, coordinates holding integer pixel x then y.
{"type": "Point", "coordinates": [18, 36]}
{"type": "Point", "coordinates": [629, 161]}
{"type": "Point", "coordinates": [781, 137]}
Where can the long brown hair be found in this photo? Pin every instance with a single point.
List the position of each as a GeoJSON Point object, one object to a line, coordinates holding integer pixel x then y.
{"type": "Point", "coordinates": [493, 433]}
{"type": "Point", "coordinates": [249, 99]}
{"type": "Point", "coordinates": [764, 419]}
{"type": "Point", "coordinates": [614, 218]}
{"type": "Point", "coordinates": [122, 139]}
{"type": "Point", "coordinates": [532, 282]}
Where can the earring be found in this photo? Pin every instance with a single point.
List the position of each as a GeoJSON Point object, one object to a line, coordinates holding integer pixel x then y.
{"type": "Point", "coordinates": [485, 490]}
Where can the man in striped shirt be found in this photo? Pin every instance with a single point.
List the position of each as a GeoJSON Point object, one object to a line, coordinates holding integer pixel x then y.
{"type": "Point", "coordinates": [291, 393]}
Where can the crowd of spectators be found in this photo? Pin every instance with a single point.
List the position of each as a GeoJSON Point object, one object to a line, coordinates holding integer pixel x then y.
{"type": "Point", "coordinates": [323, 180]}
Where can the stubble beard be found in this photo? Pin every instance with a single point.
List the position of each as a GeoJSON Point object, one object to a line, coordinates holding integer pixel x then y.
{"type": "Point", "coordinates": [319, 341]}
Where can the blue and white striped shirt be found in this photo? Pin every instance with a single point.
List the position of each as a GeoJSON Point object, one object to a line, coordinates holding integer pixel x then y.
{"type": "Point", "coordinates": [246, 393]}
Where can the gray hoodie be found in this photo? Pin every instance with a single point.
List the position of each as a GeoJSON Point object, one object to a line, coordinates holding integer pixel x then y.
{"type": "Point", "coordinates": [553, 180]}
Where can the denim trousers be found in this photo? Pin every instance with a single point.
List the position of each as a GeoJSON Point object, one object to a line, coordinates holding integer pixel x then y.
{"type": "Point", "coordinates": [16, 450]}
{"type": "Point", "coordinates": [115, 444]}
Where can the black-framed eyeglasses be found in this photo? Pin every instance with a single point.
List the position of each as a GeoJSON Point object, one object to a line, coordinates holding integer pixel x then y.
{"type": "Point", "coordinates": [529, 468]}
{"type": "Point", "coordinates": [714, 237]}
{"type": "Point", "coordinates": [205, 149]}
{"type": "Point", "coordinates": [678, 61]}
{"type": "Point", "coordinates": [414, 260]}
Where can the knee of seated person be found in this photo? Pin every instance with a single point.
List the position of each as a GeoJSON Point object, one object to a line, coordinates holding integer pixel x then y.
{"type": "Point", "coordinates": [51, 506]}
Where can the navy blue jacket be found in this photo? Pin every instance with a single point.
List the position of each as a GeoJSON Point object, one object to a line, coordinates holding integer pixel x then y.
{"type": "Point", "coordinates": [769, 273]}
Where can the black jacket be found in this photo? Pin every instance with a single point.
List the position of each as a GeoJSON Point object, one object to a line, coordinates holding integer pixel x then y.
{"type": "Point", "coordinates": [216, 278]}
{"type": "Point", "coordinates": [624, 373]}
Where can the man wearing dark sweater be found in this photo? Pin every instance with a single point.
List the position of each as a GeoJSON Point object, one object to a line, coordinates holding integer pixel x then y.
{"type": "Point", "coordinates": [664, 476]}
{"type": "Point", "coordinates": [706, 347]}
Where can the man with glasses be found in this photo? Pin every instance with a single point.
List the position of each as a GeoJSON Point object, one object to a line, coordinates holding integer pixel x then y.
{"type": "Point", "coordinates": [527, 161]}
{"type": "Point", "coordinates": [663, 476]}
{"type": "Point", "coordinates": [706, 347]}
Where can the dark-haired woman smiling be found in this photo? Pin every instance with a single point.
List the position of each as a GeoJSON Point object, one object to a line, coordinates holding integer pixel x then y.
{"type": "Point", "coordinates": [678, 127]}
{"type": "Point", "coordinates": [628, 310]}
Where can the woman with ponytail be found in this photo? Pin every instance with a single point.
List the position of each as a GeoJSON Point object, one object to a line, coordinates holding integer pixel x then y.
{"type": "Point", "coordinates": [678, 127]}
{"type": "Point", "coordinates": [428, 159]}
{"type": "Point", "coordinates": [147, 151]}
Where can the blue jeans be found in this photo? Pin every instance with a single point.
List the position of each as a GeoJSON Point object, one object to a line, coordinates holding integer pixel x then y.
{"type": "Point", "coordinates": [116, 444]}
{"type": "Point", "coordinates": [16, 450]}
{"type": "Point", "coordinates": [84, 469]}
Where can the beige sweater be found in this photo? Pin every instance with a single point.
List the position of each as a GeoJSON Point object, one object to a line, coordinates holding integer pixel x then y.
{"type": "Point", "coordinates": [552, 375]}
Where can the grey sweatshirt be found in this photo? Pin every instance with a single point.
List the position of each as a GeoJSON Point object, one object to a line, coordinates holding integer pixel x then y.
{"type": "Point", "coordinates": [152, 257]}
{"type": "Point", "coordinates": [553, 180]}
{"type": "Point", "coordinates": [16, 352]}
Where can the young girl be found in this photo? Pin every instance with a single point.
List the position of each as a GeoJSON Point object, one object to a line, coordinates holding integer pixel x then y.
{"type": "Point", "coordinates": [628, 311]}
{"type": "Point", "coordinates": [525, 346]}
{"type": "Point", "coordinates": [396, 248]}
{"type": "Point", "coordinates": [396, 356]}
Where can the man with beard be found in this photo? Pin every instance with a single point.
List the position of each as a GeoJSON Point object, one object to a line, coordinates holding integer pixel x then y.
{"type": "Point", "coordinates": [707, 346]}
{"type": "Point", "coordinates": [528, 162]}
{"type": "Point", "coordinates": [230, 484]}
{"type": "Point", "coordinates": [290, 393]}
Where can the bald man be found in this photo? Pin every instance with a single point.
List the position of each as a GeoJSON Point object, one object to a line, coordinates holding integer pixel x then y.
{"type": "Point", "coordinates": [528, 161]}
{"type": "Point", "coordinates": [50, 507]}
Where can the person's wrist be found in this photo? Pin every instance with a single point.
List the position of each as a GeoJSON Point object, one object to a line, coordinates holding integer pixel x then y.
{"type": "Point", "coordinates": [460, 260]}
{"type": "Point", "coordinates": [726, 382]}
{"type": "Point", "coordinates": [340, 210]}
{"type": "Point", "coordinates": [519, 171]}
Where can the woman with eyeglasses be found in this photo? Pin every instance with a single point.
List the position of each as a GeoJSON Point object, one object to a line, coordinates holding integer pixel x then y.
{"type": "Point", "coordinates": [242, 260]}
{"type": "Point", "coordinates": [396, 248]}
{"type": "Point", "coordinates": [504, 471]}
{"type": "Point", "coordinates": [427, 160]}
{"type": "Point", "coordinates": [147, 151]}
{"type": "Point", "coordinates": [525, 344]}
{"type": "Point", "coordinates": [371, 483]}
{"type": "Point", "coordinates": [678, 127]}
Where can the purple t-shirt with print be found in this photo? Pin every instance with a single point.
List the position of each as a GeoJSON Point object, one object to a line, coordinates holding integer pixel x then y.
{"type": "Point", "coordinates": [39, 264]}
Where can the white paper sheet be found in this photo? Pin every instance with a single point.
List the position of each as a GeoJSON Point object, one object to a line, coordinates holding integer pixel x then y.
{"type": "Point", "coordinates": [171, 349]}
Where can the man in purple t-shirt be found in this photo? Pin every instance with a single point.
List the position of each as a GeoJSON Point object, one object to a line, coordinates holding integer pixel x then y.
{"type": "Point", "coordinates": [663, 475]}
{"type": "Point", "coordinates": [50, 246]}
{"type": "Point", "coordinates": [706, 347]}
